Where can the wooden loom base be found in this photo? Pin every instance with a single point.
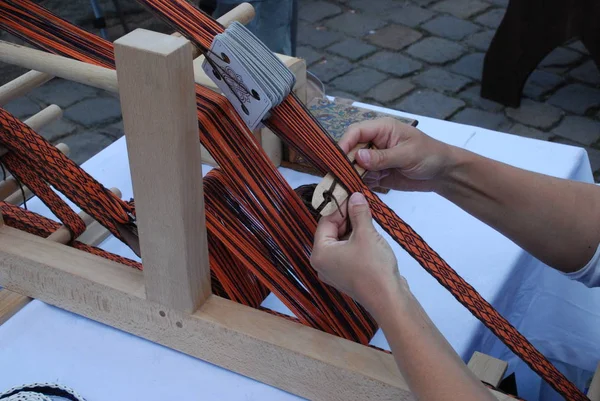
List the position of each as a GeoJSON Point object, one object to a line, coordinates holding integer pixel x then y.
{"type": "Point", "coordinates": [256, 344]}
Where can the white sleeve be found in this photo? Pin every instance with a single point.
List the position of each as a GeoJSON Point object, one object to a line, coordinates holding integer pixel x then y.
{"type": "Point", "coordinates": [590, 273]}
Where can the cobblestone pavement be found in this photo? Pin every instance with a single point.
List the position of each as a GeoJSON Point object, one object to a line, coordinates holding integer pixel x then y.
{"type": "Point", "coordinates": [426, 56]}
{"type": "Point", "coordinates": [419, 56]}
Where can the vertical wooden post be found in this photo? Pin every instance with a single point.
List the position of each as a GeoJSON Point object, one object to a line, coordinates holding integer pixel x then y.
{"type": "Point", "coordinates": [156, 87]}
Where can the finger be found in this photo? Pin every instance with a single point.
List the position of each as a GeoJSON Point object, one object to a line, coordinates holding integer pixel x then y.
{"type": "Point", "coordinates": [376, 131]}
{"type": "Point", "coordinates": [380, 159]}
{"type": "Point", "coordinates": [359, 213]}
{"type": "Point", "coordinates": [327, 230]}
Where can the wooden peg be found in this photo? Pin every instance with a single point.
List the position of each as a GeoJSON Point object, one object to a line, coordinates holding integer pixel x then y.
{"type": "Point", "coordinates": [44, 117]}
{"type": "Point", "coordinates": [22, 85]}
{"type": "Point", "coordinates": [332, 193]}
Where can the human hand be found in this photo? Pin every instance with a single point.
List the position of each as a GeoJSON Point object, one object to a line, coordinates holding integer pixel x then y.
{"type": "Point", "coordinates": [363, 266]}
{"type": "Point", "coordinates": [405, 158]}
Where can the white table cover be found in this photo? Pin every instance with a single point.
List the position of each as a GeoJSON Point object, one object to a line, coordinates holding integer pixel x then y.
{"type": "Point", "coordinates": [43, 343]}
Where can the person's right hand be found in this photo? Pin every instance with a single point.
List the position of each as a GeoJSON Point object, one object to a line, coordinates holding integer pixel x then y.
{"type": "Point", "coordinates": [405, 159]}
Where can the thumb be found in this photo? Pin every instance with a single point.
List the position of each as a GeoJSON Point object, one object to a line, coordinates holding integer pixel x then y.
{"type": "Point", "coordinates": [359, 212]}
{"type": "Point", "coordinates": [377, 159]}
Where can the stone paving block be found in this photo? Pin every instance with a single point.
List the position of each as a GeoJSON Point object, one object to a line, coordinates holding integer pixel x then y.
{"type": "Point", "coordinates": [461, 8]}
{"type": "Point", "coordinates": [63, 93]}
{"type": "Point", "coordinates": [355, 24]}
{"type": "Point", "coordinates": [492, 18]}
{"type": "Point", "coordinates": [560, 57]}
{"type": "Point", "coordinates": [85, 145]}
{"type": "Point", "coordinates": [541, 82]}
{"type": "Point", "coordinates": [450, 27]}
{"type": "Point", "coordinates": [359, 80]}
{"type": "Point", "coordinates": [579, 46]}
{"type": "Point", "coordinates": [473, 97]}
{"type": "Point", "coordinates": [330, 67]}
{"type": "Point", "coordinates": [409, 15]}
{"type": "Point", "coordinates": [470, 65]}
{"type": "Point", "coordinates": [317, 37]}
{"type": "Point", "coordinates": [437, 78]}
{"type": "Point", "coordinates": [576, 98]}
{"type": "Point", "coordinates": [423, 3]}
{"type": "Point", "coordinates": [58, 129]}
{"type": "Point", "coordinates": [317, 10]}
{"type": "Point", "coordinates": [118, 126]}
{"type": "Point", "coordinates": [394, 37]}
{"type": "Point", "coordinates": [310, 55]}
{"type": "Point", "coordinates": [372, 7]}
{"type": "Point", "coordinates": [95, 111]}
{"type": "Point", "coordinates": [483, 119]}
{"type": "Point", "coordinates": [481, 40]}
{"type": "Point", "coordinates": [8, 72]}
{"type": "Point", "coordinates": [352, 48]}
{"type": "Point", "coordinates": [390, 90]}
{"type": "Point", "coordinates": [430, 104]}
{"type": "Point", "coordinates": [22, 107]}
{"type": "Point", "coordinates": [587, 72]}
{"type": "Point", "coordinates": [522, 130]}
{"type": "Point", "coordinates": [538, 115]}
{"type": "Point", "coordinates": [593, 154]}
{"type": "Point", "coordinates": [436, 50]}
{"type": "Point", "coordinates": [579, 129]}
{"type": "Point", "coordinates": [392, 63]}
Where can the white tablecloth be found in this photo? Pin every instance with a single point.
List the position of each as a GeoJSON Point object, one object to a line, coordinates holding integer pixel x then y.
{"type": "Point", "coordinates": [42, 343]}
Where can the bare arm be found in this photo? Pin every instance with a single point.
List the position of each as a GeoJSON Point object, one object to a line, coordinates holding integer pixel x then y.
{"type": "Point", "coordinates": [429, 364]}
{"type": "Point", "coordinates": [364, 267]}
{"type": "Point", "coordinates": [556, 220]}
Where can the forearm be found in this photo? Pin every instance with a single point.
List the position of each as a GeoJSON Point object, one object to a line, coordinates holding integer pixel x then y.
{"type": "Point", "coordinates": [556, 220]}
{"type": "Point", "coordinates": [428, 363]}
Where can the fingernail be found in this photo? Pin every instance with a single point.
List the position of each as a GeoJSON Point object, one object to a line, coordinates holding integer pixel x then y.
{"type": "Point", "coordinates": [358, 199]}
{"type": "Point", "coordinates": [364, 155]}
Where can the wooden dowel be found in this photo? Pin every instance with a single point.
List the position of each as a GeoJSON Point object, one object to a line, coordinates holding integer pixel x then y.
{"type": "Point", "coordinates": [159, 112]}
{"type": "Point", "coordinates": [44, 117]}
{"type": "Point", "coordinates": [87, 74]}
{"type": "Point", "coordinates": [10, 190]}
{"type": "Point", "coordinates": [84, 73]}
{"type": "Point", "coordinates": [243, 13]}
{"type": "Point", "coordinates": [22, 85]}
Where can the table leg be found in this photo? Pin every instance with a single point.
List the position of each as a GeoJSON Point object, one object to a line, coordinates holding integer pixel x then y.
{"type": "Point", "coordinates": [529, 31]}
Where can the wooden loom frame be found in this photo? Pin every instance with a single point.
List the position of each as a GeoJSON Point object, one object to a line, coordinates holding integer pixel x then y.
{"type": "Point", "coordinates": [170, 302]}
